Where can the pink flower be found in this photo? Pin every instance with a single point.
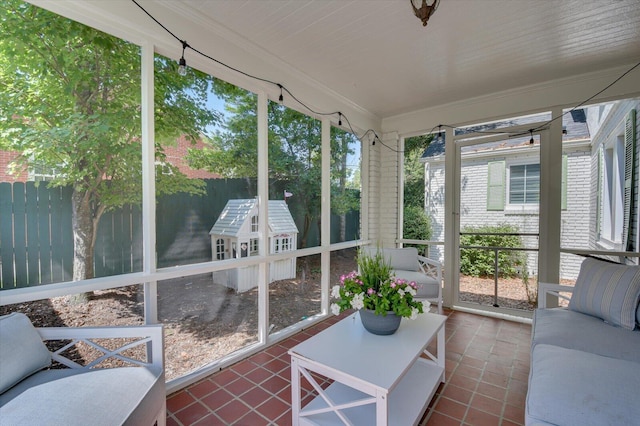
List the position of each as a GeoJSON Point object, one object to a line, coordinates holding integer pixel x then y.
{"type": "Point", "coordinates": [393, 284]}
{"type": "Point", "coordinates": [370, 291]}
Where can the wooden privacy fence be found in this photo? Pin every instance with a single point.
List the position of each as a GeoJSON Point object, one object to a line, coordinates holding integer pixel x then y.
{"type": "Point", "coordinates": [36, 238]}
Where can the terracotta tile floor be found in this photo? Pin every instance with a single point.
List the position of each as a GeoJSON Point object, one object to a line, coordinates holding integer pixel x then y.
{"type": "Point", "coordinates": [487, 365]}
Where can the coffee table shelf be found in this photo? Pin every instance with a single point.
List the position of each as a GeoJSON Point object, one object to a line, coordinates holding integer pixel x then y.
{"type": "Point", "coordinates": [376, 379]}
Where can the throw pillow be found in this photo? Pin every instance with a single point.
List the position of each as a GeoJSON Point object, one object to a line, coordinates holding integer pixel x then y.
{"type": "Point", "coordinates": [608, 291]}
{"type": "Point", "coordinates": [21, 350]}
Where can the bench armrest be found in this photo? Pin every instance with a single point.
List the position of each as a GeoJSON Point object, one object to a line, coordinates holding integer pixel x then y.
{"type": "Point", "coordinates": [151, 336]}
{"type": "Point", "coordinates": [552, 289]}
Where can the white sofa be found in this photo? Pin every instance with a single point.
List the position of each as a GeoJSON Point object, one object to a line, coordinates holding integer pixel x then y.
{"type": "Point", "coordinates": [585, 358]}
{"type": "Point", "coordinates": [408, 265]}
{"type": "Point", "coordinates": [31, 393]}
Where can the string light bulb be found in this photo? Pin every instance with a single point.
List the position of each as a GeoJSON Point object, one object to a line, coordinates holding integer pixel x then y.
{"type": "Point", "coordinates": [531, 141]}
{"type": "Point", "coordinates": [340, 119]}
{"type": "Point", "coordinates": [439, 132]}
{"type": "Point", "coordinates": [280, 98]}
{"type": "Point", "coordinates": [182, 63]}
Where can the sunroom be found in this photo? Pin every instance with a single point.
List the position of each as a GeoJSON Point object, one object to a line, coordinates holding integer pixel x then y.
{"type": "Point", "coordinates": [374, 129]}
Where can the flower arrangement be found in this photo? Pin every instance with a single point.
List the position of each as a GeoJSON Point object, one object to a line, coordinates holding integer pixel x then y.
{"type": "Point", "coordinates": [377, 289]}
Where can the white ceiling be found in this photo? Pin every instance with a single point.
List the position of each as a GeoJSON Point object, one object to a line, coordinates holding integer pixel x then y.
{"type": "Point", "coordinates": [377, 53]}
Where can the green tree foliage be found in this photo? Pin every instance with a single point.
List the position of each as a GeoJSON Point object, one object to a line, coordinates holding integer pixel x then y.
{"type": "Point", "coordinates": [71, 102]}
{"type": "Point", "coordinates": [414, 170]}
{"type": "Point", "coordinates": [417, 224]}
{"type": "Point", "coordinates": [481, 263]}
{"type": "Point", "coordinates": [294, 153]}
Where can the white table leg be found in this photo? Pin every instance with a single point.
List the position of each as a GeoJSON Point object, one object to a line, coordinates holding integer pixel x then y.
{"type": "Point", "coordinates": [440, 360]}
{"type": "Point", "coordinates": [295, 392]}
{"type": "Point", "coordinates": [381, 409]}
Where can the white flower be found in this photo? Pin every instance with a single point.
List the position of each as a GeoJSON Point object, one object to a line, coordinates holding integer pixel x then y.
{"type": "Point", "coordinates": [335, 292]}
{"type": "Point", "coordinates": [401, 292]}
{"type": "Point", "coordinates": [358, 301]}
{"type": "Point", "coordinates": [411, 291]}
{"type": "Point", "coordinates": [426, 305]}
{"type": "Point", "coordinates": [414, 313]}
{"type": "Point", "coordinates": [335, 309]}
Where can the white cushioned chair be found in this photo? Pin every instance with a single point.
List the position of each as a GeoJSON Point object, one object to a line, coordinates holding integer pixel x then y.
{"type": "Point", "coordinates": [408, 265]}
{"type": "Point", "coordinates": [31, 393]}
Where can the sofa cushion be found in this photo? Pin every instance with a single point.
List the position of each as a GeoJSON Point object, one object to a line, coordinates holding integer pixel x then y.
{"type": "Point", "coordinates": [573, 330]}
{"type": "Point", "coordinates": [609, 291]}
{"type": "Point", "coordinates": [128, 395]}
{"type": "Point", "coordinates": [22, 351]}
{"type": "Point", "coordinates": [571, 387]}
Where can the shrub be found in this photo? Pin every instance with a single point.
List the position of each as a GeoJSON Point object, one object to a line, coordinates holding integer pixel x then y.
{"type": "Point", "coordinates": [481, 262]}
{"type": "Point", "coordinates": [416, 226]}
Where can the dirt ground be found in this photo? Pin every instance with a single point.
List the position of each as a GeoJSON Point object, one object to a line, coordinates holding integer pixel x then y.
{"type": "Point", "coordinates": [205, 321]}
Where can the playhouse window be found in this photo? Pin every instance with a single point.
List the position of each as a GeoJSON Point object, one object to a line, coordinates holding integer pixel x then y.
{"type": "Point", "coordinates": [220, 249]}
{"type": "Point", "coordinates": [253, 247]}
{"type": "Point", "coordinates": [254, 223]}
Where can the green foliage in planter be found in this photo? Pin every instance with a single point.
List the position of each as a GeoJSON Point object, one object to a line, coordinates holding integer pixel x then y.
{"type": "Point", "coordinates": [481, 262]}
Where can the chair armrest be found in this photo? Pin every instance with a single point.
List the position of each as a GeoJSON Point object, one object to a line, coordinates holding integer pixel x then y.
{"type": "Point", "coordinates": [149, 335]}
{"type": "Point", "coordinates": [553, 289]}
{"type": "Point", "coordinates": [431, 267]}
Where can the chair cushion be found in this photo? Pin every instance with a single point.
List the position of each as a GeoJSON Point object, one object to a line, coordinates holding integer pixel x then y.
{"type": "Point", "coordinates": [571, 387]}
{"type": "Point", "coordinates": [22, 351]}
{"type": "Point", "coordinates": [427, 286]}
{"type": "Point", "coordinates": [609, 291]}
{"type": "Point", "coordinates": [70, 397]}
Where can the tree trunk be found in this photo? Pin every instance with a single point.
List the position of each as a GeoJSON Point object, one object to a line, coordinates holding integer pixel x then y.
{"type": "Point", "coordinates": [83, 225]}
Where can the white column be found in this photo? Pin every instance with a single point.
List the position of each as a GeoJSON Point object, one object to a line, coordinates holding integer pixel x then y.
{"type": "Point", "coordinates": [325, 214]}
{"type": "Point", "coordinates": [263, 216]}
{"type": "Point", "coordinates": [451, 225]}
{"type": "Point", "coordinates": [387, 196]}
{"type": "Point", "coordinates": [550, 200]}
{"type": "Point", "coordinates": [148, 185]}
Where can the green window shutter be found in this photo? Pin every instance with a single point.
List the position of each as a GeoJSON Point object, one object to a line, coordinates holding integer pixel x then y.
{"type": "Point", "coordinates": [495, 185]}
{"type": "Point", "coordinates": [629, 168]}
{"type": "Point", "coordinates": [564, 181]}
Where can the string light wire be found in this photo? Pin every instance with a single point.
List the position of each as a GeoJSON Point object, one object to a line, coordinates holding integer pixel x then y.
{"type": "Point", "coordinates": [341, 115]}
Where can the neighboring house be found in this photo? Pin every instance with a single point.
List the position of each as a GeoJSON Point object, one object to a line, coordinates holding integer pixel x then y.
{"type": "Point", "coordinates": [235, 235]}
{"type": "Point", "coordinates": [615, 187]}
{"type": "Point", "coordinates": [500, 183]}
{"type": "Point", "coordinates": [175, 154]}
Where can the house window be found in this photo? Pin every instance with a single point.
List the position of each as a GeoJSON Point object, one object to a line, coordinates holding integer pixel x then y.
{"type": "Point", "coordinates": [253, 247]}
{"type": "Point", "coordinates": [520, 183]}
{"type": "Point", "coordinates": [524, 184]}
{"type": "Point", "coordinates": [220, 249]}
{"type": "Point", "coordinates": [40, 172]}
{"type": "Point", "coordinates": [254, 223]}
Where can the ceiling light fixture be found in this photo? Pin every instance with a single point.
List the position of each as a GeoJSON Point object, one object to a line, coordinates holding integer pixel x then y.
{"type": "Point", "coordinates": [425, 10]}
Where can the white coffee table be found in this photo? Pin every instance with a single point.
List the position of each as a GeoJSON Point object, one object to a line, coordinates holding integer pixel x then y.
{"type": "Point", "coordinates": [376, 379]}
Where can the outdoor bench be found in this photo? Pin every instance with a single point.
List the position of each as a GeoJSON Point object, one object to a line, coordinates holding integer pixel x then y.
{"type": "Point", "coordinates": [32, 393]}
{"type": "Point", "coordinates": [585, 358]}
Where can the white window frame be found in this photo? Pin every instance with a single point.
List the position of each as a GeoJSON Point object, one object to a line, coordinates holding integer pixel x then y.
{"type": "Point", "coordinates": [519, 207]}
{"type": "Point", "coordinates": [612, 189]}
